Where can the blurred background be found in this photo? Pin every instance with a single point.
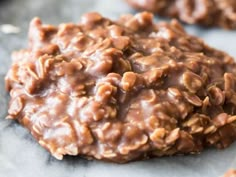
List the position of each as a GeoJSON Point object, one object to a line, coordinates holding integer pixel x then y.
{"type": "Point", "coordinates": [20, 12]}
{"type": "Point", "coordinates": [21, 156]}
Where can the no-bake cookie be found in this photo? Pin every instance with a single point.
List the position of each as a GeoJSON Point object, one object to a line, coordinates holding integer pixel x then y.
{"type": "Point", "coordinates": [122, 90]}
{"type": "Point", "coordinates": [206, 12]}
{"type": "Point", "coordinates": [230, 173]}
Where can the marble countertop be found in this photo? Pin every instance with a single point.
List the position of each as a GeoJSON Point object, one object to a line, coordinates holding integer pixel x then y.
{"type": "Point", "coordinates": [21, 156]}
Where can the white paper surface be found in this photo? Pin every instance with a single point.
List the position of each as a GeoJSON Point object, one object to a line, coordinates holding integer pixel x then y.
{"type": "Point", "coordinates": [21, 156]}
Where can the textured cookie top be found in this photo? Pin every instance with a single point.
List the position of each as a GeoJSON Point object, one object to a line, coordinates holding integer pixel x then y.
{"type": "Point", "coordinates": [122, 90]}
{"type": "Point", "coordinates": [206, 12]}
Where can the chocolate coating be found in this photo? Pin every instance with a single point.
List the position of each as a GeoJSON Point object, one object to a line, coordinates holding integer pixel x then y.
{"type": "Point", "coordinates": [230, 173]}
{"type": "Point", "coordinates": [122, 90]}
{"type": "Point", "coordinates": [220, 13]}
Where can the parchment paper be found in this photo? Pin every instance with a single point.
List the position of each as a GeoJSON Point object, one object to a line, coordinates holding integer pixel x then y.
{"type": "Point", "coordinates": [21, 156]}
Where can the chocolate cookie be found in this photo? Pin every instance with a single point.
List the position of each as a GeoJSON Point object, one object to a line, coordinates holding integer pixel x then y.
{"type": "Point", "coordinates": [122, 90]}
{"type": "Point", "coordinates": [206, 12]}
{"type": "Point", "coordinates": [230, 173]}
